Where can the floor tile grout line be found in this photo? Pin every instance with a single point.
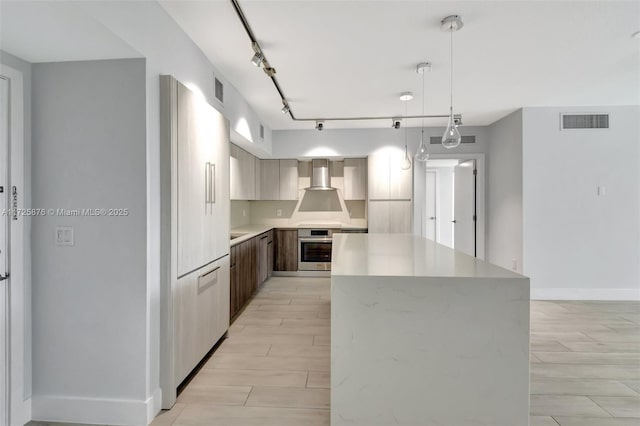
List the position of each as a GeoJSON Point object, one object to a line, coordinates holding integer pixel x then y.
{"type": "Point", "coordinates": [601, 407]}
{"type": "Point", "coordinates": [554, 419]}
{"type": "Point", "coordinates": [244, 404]}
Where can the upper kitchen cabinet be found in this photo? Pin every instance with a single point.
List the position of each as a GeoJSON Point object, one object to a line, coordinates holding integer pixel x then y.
{"type": "Point", "coordinates": [387, 180]}
{"type": "Point", "coordinates": [277, 179]}
{"type": "Point", "coordinates": [243, 174]}
{"type": "Point", "coordinates": [355, 178]}
{"type": "Point", "coordinates": [288, 179]}
{"type": "Point", "coordinates": [202, 182]}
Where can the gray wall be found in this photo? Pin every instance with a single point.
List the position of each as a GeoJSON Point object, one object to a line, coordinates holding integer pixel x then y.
{"type": "Point", "coordinates": [504, 192]}
{"type": "Point", "coordinates": [25, 68]}
{"type": "Point", "coordinates": [578, 244]}
{"type": "Point", "coordinates": [90, 300]}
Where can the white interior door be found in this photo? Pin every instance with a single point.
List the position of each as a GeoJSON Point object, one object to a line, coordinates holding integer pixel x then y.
{"type": "Point", "coordinates": [464, 208]}
{"type": "Point", "coordinates": [430, 210]}
{"type": "Point", "coordinates": [4, 248]}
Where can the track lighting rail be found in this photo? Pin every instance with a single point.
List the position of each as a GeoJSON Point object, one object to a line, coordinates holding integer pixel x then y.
{"type": "Point", "coordinates": [286, 109]}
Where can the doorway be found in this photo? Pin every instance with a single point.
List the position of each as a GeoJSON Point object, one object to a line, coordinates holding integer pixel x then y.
{"type": "Point", "coordinates": [15, 305]}
{"type": "Point", "coordinates": [454, 202]}
{"type": "Point", "coordinates": [4, 252]}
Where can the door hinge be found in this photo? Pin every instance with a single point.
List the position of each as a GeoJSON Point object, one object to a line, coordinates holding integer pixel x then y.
{"type": "Point", "coordinates": [475, 172]}
{"type": "Point", "coordinates": [4, 277]}
{"type": "Point", "coordinates": [475, 218]}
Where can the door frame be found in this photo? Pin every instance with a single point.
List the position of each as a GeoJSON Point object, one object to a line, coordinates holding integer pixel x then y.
{"type": "Point", "coordinates": [436, 204]}
{"type": "Point", "coordinates": [19, 316]}
{"type": "Point", "coordinates": [480, 195]}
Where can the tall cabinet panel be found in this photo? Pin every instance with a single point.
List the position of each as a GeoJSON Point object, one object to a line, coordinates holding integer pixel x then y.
{"type": "Point", "coordinates": [355, 179]}
{"type": "Point", "coordinates": [194, 223]}
{"type": "Point", "coordinates": [269, 179]}
{"type": "Point", "coordinates": [202, 182]}
{"type": "Point", "coordinates": [390, 194]}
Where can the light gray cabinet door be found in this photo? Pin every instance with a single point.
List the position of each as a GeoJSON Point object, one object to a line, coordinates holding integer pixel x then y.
{"type": "Point", "coordinates": [355, 179]}
{"type": "Point", "coordinates": [235, 174]}
{"type": "Point", "coordinates": [288, 180]}
{"type": "Point", "coordinates": [269, 179]}
{"type": "Point", "coordinates": [400, 181]}
{"type": "Point", "coordinates": [392, 217]}
{"type": "Point", "coordinates": [248, 176]}
{"type": "Point", "coordinates": [378, 214]}
{"type": "Point", "coordinates": [378, 177]}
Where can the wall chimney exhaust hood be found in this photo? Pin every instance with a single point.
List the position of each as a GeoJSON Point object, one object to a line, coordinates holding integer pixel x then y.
{"type": "Point", "coordinates": [320, 177]}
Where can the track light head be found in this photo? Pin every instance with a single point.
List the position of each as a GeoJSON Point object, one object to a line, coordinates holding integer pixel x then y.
{"type": "Point", "coordinates": [395, 123]}
{"type": "Point", "coordinates": [270, 71]}
{"type": "Point", "coordinates": [285, 109]}
{"type": "Point", "coordinates": [319, 125]}
{"type": "Point", "coordinates": [257, 59]}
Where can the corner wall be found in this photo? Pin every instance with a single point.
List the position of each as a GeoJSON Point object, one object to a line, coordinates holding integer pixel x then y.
{"type": "Point", "coordinates": [578, 244]}
{"type": "Point", "coordinates": [504, 193]}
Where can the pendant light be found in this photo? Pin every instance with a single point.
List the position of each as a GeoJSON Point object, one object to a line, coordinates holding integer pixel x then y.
{"type": "Point", "coordinates": [422, 154]}
{"type": "Point", "coordinates": [451, 137]}
{"type": "Point", "coordinates": [406, 161]}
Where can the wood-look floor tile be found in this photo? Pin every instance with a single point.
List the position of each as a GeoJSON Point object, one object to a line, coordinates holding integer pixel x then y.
{"type": "Point", "coordinates": [290, 308]}
{"type": "Point", "coordinates": [588, 358]}
{"type": "Point", "coordinates": [203, 392]}
{"type": "Point", "coordinates": [312, 330]}
{"type": "Point", "coordinates": [584, 387]}
{"type": "Point", "coordinates": [230, 377]}
{"type": "Point", "coordinates": [292, 339]}
{"type": "Point", "coordinates": [615, 372]}
{"type": "Point", "coordinates": [243, 348]}
{"type": "Point", "coordinates": [300, 351]}
{"type": "Point", "coordinates": [288, 397]}
{"type": "Point", "coordinates": [245, 362]}
{"type": "Point", "coordinates": [603, 346]}
{"type": "Point", "coordinates": [547, 346]}
{"type": "Point", "coordinates": [595, 421]}
{"type": "Point", "coordinates": [167, 417]}
{"type": "Point", "coordinates": [315, 322]}
{"type": "Point", "coordinates": [209, 415]}
{"type": "Point", "coordinates": [281, 314]}
{"type": "Point", "coordinates": [619, 406]}
{"type": "Point", "coordinates": [322, 340]}
{"type": "Point", "coordinates": [245, 320]}
{"type": "Point", "coordinates": [633, 384]}
{"type": "Point", "coordinates": [319, 379]}
{"type": "Point", "coordinates": [561, 405]}
{"type": "Point", "coordinates": [542, 421]}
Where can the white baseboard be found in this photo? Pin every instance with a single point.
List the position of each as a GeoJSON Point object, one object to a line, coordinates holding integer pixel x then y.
{"type": "Point", "coordinates": [585, 294]}
{"type": "Point", "coordinates": [95, 410]}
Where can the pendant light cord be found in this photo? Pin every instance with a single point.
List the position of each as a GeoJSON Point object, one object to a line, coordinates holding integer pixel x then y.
{"type": "Point", "coordinates": [451, 75]}
{"type": "Point", "coordinates": [405, 130]}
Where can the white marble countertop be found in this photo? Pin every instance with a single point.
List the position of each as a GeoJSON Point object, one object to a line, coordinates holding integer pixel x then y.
{"type": "Point", "coordinates": [405, 255]}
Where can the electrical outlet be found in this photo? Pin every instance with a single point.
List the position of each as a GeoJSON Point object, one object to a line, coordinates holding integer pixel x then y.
{"type": "Point", "coordinates": [244, 213]}
{"type": "Point", "coordinates": [602, 191]}
{"type": "Point", "coordinates": [278, 212]}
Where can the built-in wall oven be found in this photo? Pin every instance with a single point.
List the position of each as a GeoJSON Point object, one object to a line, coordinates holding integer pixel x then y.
{"type": "Point", "coordinates": [314, 249]}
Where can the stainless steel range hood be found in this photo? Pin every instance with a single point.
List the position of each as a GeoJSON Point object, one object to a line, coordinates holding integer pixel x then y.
{"type": "Point", "coordinates": [320, 177]}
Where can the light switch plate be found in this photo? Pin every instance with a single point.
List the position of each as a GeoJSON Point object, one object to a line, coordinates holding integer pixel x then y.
{"type": "Point", "coordinates": [64, 235]}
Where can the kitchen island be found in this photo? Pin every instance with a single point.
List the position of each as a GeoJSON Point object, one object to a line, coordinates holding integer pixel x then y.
{"type": "Point", "coordinates": [424, 335]}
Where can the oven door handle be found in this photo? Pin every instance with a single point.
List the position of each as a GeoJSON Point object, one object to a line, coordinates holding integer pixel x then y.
{"type": "Point", "coordinates": [314, 240]}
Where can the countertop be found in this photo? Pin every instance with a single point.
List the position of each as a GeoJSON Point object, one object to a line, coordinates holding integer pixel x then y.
{"type": "Point", "coordinates": [405, 255]}
{"type": "Point", "coordinates": [253, 230]}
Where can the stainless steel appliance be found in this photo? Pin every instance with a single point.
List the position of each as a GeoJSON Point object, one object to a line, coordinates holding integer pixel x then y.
{"type": "Point", "coordinates": [314, 249]}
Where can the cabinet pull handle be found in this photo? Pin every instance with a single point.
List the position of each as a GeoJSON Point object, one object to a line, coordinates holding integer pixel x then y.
{"type": "Point", "coordinates": [207, 170]}
{"type": "Point", "coordinates": [212, 184]}
{"type": "Point", "coordinates": [210, 272]}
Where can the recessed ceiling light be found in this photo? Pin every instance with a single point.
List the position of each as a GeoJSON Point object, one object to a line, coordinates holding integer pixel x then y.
{"type": "Point", "coordinates": [636, 34]}
{"type": "Point", "coordinates": [406, 96]}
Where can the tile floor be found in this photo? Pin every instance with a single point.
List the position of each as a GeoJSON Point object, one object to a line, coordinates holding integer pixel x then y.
{"type": "Point", "coordinates": [274, 367]}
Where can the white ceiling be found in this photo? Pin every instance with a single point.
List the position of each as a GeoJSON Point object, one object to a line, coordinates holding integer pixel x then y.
{"type": "Point", "coordinates": [53, 31]}
{"type": "Point", "coordinates": [353, 58]}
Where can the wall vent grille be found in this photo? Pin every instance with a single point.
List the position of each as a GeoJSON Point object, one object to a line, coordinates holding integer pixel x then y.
{"type": "Point", "coordinates": [584, 121]}
{"type": "Point", "coordinates": [218, 90]}
{"type": "Point", "coordinates": [436, 140]}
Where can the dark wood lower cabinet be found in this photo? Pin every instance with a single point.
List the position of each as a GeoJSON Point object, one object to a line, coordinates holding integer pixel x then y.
{"type": "Point", "coordinates": [286, 250]}
{"type": "Point", "coordinates": [251, 265]}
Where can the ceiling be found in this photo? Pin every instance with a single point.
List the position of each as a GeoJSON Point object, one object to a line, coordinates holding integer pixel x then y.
{"type": "Point", "coordinates": [354, 58]}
